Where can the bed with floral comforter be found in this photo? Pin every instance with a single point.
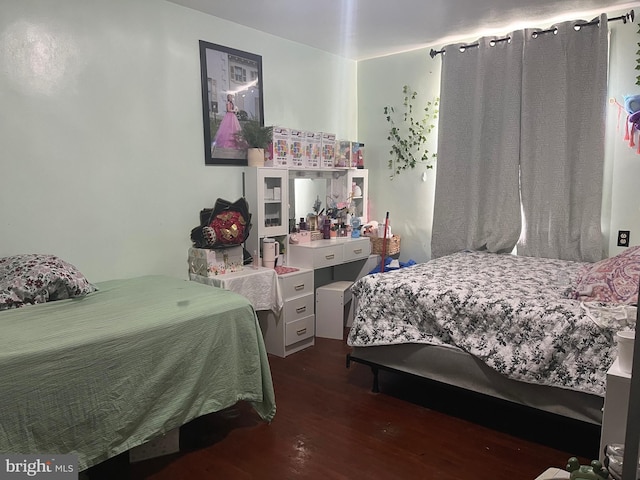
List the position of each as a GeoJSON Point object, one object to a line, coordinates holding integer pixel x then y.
{"type": "Point", "coordinates": [514, 313]}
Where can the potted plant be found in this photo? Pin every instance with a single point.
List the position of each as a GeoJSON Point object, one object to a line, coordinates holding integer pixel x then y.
{"type": "Point", "coordinates": [255, 138]}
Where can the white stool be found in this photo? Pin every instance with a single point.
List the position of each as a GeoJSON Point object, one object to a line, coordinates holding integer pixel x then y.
{"type": "Point", "coordinates": [333, 302]}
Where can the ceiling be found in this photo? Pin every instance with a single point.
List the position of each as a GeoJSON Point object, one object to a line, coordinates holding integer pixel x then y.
{"type": "Point", "coordinates": [362, 29]}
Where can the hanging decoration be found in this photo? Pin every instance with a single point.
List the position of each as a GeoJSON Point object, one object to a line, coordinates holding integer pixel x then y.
{"type": "Point", "coordinates": [631, 107]}
{"type": "Point", "coordinates": [637, 54]}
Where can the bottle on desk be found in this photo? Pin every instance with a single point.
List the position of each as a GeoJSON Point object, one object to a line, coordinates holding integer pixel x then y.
{"type": "Point", "coordinates": [326, 228]}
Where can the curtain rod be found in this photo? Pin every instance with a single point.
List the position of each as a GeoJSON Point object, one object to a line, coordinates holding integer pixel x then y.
{"type": "Point", "coordinates": [627, 17]}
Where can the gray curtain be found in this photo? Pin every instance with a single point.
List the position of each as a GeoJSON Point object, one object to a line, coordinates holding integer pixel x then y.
{"type": "Point", "coordinates": [564, 89]}
{"type": "Point", "coordinates": [523, 118]}
{"type": "Point", "coordinates": [477, 199]}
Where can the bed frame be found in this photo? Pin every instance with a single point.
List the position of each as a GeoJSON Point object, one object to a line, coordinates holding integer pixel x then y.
{"type": "Point", "coordinates": [381, 305]}
{"type": "Point", "coordinates": [99, 375]}
{"type": "Point", "coordinates": [452, 366]}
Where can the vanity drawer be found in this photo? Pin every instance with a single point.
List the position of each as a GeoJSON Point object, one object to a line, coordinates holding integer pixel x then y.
{"type": "Point", "coordinates": [357, 249]}
{"type": "Point", "coordinates": [299, 307]}
{"type": "Point", "coordinates": [299, 330]}
{"type": "Point", "coordinates": [295, 285]}
{"type": "Point", "coordinates": [327, 256]}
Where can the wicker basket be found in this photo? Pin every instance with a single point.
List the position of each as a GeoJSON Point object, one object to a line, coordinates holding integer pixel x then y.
{"type": "Point", "coordinates": [393, 245]}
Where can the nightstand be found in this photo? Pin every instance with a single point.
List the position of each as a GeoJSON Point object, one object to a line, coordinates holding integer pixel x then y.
{"type": "Point", "coordinates": [616, 404]}
{"type": "Point", "coordinates": [293, 328]}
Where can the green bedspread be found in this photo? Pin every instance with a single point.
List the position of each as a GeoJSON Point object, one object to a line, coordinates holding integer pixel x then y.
{"type": "Point", "coordinates": [98, 375]}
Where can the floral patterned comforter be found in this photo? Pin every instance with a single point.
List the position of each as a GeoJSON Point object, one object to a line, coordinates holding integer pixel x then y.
{"type": "Point", "coordinates": [509, 311]}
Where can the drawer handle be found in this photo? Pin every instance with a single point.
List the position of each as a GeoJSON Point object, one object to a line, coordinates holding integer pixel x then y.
{"type": "Point", "coordinates": [359, 250]}
{"type": "Point", "coordinates": [301, 309]}
{"type": "Point", "coordinates": [330, 257]}
{"type": "Point", "coordinates": [299, 287]}
{"type": "Point", "coordinates": [302, 331]}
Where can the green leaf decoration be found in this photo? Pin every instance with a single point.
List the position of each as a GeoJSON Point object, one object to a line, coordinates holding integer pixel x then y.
{"type": "Point", "coordinates": [409, 136]}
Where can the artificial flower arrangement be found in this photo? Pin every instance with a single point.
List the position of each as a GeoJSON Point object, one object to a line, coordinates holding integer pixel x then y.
{"type": "Point", "coordinates": [339, 210]}
{"type": "Point", "coordinates": [340, 213]}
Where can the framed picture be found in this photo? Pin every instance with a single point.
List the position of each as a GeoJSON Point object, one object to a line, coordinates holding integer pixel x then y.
{"type": "Point", "coordinates": [231, 94]}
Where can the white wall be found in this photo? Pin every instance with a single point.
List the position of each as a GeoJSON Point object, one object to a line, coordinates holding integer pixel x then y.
{"type": "Point", "coordinates": [101, 130]}
{"type": "Point", "coordinates": [409, 200]}
{"type": "Point", "coordinates": [101, 127]}
{"type": "Point", "coordinates": [622, 172]}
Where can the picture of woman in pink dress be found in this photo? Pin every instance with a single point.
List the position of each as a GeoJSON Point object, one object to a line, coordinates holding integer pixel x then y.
{"type": "Point", "coordinates": [226, 135]}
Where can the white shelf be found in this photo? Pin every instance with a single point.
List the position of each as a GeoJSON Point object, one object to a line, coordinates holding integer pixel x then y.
{"type": "Point", "coordinates": [616, 404]}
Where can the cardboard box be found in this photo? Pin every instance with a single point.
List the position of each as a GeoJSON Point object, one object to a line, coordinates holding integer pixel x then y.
{"type": "Point", "coordinates": [277, 153]}
{"type": "Point", "coordinates": [296, 148]}
{"type": "Point", "coordinates": [327, 149]}
{"type": "Point", "coordinates": [312, 149]}
{"type": "Point", "coordinates": [357, 154]}
{"type": "Point", "coordinates": [163, 445]}
{"type": "Point", "coordinates": [218, 261]}
{"type": "Point", "coordinates": [304, 236]}
{"type": "Point", "coordinates": [343, 154]}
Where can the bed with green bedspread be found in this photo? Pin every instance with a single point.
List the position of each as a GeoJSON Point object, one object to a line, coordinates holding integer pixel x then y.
{"type": "Point", "coordinates": [100, 374]}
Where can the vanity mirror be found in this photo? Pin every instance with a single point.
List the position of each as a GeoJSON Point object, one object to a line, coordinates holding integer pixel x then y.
{"type": "Point", "coordinates": [305, 188]}
{"type": "Point", "coordinates": [308, 186]}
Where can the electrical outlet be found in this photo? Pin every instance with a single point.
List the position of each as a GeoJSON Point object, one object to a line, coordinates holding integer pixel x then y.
{"type": "Point", "coordinates": [623, 238]}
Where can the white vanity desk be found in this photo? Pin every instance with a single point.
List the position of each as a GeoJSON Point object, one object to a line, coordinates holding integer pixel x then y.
{"type": "Point", "coordinates": [337, 259]}
{"type": "Point", "coordinates": [279, 196]}
{"type": "Point", "coordinates": [319, 262]}
{"type": "Point", "coordinates": [328, 253]}
{"type": "Point", "coordinates": [336, 263]}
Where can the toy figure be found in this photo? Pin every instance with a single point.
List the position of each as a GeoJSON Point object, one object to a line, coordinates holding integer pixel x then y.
{"type": "Point", "coordinates": [356, 224]}
{"type": "Point", "coordinates": [582, 472]}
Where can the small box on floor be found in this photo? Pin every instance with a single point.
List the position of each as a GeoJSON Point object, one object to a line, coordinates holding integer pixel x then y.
{"type": "Point", "coordinates": [163, 445]}
{"type": "Point", "coordinates": [212, 262]}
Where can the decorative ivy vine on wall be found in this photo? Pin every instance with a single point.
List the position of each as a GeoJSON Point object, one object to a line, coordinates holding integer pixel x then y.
{"type": "Point", "coordinates": [409, 135]}
{"type": "Point", "coordinates": [638, 59]}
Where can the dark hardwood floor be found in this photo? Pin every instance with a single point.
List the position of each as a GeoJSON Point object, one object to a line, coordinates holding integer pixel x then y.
{"type": "Point", "coordinates": [329, 425]}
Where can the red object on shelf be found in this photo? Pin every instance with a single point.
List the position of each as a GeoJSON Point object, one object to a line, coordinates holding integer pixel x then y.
{"type": "Point", "coordinates": [384, 242]}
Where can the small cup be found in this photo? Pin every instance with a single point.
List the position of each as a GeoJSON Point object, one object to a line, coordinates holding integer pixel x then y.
{"type": "Point", "coordinates": [626, 339]}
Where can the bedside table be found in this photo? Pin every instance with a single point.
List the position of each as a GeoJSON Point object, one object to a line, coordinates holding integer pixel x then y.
{"type": "Point", "coordinates": [293, 328]}
{"type": "Point", "coordinates": [616, 405]}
